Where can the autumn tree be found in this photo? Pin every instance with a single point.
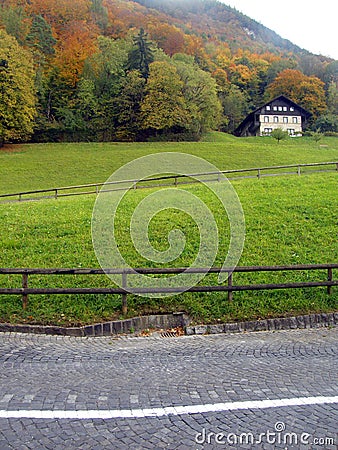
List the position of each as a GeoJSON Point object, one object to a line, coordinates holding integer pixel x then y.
{"type": "Point", "coordinates": [164, 107]}
{"type": "Point", "coordinates": [17, 99]}
{"type": "Point", "coordinates": [57, 85]}
{"type": "Point", "coordinates": [307, 91]}
{"type": "Point", "coordinates": [118, 19]}
{"type": "Point", "coordinates": [77, 43]}
{"type": "Point", "coordinates": [241, 75]}
{"type": "Point", "coordinates": [59, 13]}
{"type": "Point", "coordinates": [194, 46]}
{"type": "Point", "coordinates": [223, 56]}
{"type": "Point", "coordinates": [167, 37]}
{"type": "Point", "coordinates": [221, 78]}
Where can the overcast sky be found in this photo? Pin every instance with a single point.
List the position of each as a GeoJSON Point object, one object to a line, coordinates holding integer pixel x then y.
{"type": "Point", "coordinates": [309, 24]}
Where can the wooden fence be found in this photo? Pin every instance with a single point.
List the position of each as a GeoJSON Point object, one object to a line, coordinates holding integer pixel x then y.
{"type": "Point", "coordinates": [230, 287]}
{"type": "Point", "coordinates": [169, 180]}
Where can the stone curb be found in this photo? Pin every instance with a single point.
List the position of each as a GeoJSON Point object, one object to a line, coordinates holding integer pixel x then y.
{"type": "Point", "coordinates": [179, 319]}
{"type": "Point", "coordinates": [283, 323]}
{"type": "Point", "coordinates": [104, 329]}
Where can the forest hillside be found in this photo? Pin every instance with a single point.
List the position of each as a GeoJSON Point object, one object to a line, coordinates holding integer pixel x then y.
{"type": "Point", "coordinates": [112, 70]}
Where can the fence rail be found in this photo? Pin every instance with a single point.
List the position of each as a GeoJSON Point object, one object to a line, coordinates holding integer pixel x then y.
{"type": "Point", "coordinates": [24, 291]}
{"type": "Point", "coordinates": [167, 180]}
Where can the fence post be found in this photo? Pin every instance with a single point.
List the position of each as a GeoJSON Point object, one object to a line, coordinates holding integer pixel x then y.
{"type": "Point", "coordinates": [259, 173]}
{"type": "Point", "coordinates": [56, 194]}
{"type": "Point", "coordinates": [230, 286]}
{"type": "Point", "coordinates": [24, 286]}
{"type": "Point", "coordinates": [329, 278]}
{"type": "Point", "coordinates": [124, 296]}
{"type": "Point", "coordinates": [298, 170]}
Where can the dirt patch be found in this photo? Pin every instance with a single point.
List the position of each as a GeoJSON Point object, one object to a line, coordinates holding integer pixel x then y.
{"type": "Point", "coordinates": [11, 148]}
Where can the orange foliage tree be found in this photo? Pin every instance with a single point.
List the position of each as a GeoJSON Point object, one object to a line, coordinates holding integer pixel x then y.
{"type": "Point", "coordinates": [307, 91]}
{"type": "Point", "coordinates": [241, 75]}
{"type": "Point", "coordinates": [60, 12]}
{"type": "Point", "coordinates": [77, 42]}
{"type": "Point", "coordinates": [194, 46]}
{"type": "Point", "coordinates": [167, 37]}
{"type": "Point", "coordinates": [123, 16]}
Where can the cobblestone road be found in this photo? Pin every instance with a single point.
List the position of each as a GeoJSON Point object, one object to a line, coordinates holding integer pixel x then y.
{"type": "Point", "coordinates": [128, 393]}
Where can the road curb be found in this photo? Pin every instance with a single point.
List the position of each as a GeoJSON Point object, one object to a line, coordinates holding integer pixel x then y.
{"type": "Point", "coordinates": [280, 323]}
{"type": "Point", "coordinates": [116, 327]}
{"type": "Point", "coordinates": [179, 319]}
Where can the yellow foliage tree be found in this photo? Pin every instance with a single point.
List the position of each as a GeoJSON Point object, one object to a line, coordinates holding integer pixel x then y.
{"type": "Point", "coordinates": [17, 98]}
{"type": "Point", "coordinates": [163, 106]}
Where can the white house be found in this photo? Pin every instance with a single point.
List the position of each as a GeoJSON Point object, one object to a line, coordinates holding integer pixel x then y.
{"type": "Point", "coordinates": [277, 113]}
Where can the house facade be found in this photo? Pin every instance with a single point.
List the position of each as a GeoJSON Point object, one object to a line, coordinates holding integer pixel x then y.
{"type": "Point", "coordinates": [277, 113]}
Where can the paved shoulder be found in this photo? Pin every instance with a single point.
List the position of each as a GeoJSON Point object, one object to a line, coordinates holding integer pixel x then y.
{"type": "Point", "coordinates": [259, 390]}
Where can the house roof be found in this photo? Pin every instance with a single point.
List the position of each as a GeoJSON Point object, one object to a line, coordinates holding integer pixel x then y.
{"type": "Point", "coordinates": [249, 117]}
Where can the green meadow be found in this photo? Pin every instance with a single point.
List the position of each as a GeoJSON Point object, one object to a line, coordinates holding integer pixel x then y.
{"type": "Point", "coordinates": [42, 166]}
{"type": "Point", "coordinates": [289, 220]}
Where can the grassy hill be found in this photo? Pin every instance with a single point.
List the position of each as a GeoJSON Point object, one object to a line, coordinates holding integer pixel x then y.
{"type": "Point", "coordinates": [43, 166]}
{"type": "Point", "coordinates": [289, 220]}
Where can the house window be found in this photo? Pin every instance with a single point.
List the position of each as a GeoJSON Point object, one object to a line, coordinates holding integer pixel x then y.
{"type": "Point", "coordinates": [294, 119]}
{"type": "Point", "coordinates": [292, 108]}
{"type": "Point", "coordinates": [266, 118]}
{"type": "Point", "coordinates": [267, 130]}
{"type": "Point", "coordinates": [280, 108]}
{"type": "Point", "coordinates": [275, 119]}
{"type": "Point", "coordinates": [285, 108]}
{"type": "Point", "coordinates": [274, 108]}
{"type": "Point", "coordinates": [285, 120]}
{"type": "Point", "coordinates": [291, 131]}
{"type": "Point", "coordinates": [268, 108]}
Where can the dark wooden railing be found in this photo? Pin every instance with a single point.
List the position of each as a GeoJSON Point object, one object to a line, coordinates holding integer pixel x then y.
{"type": "Point", "coordinates": [168, 180]}
{"type": "Point", "coordinates": [24, 291]}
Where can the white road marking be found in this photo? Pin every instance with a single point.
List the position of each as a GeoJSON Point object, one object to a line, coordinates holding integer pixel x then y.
{"type": "Point", "coordinates": [167, 411]}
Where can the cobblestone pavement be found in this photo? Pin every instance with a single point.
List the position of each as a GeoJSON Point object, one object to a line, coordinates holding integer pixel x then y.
{"type": "Point", "coordinates": [141, 383]}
